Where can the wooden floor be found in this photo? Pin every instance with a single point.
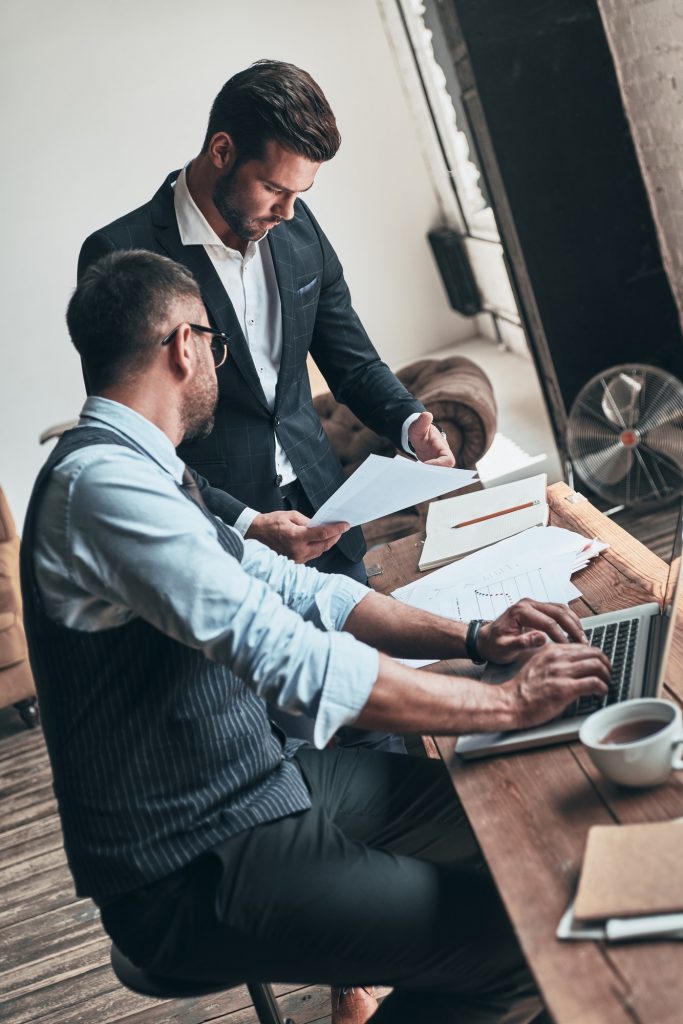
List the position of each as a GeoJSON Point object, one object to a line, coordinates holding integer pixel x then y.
{"type": "Point", "coordinates": [54, 957]}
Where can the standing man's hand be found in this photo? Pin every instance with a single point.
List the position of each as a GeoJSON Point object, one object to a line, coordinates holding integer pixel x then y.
{"type": "Point", "coordinates": [527, 625]}
{"type": "Point", "coordinates": [287, 534]}
{"type": "Point", "coordinates": [429, 443]}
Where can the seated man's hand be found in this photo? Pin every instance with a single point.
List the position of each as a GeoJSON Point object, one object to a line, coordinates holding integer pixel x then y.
{"type": "Point", "coordinates": [552, 679]}
{"type": "Point", "coordinates": [287, 533]}
{"type": "Point", "coordinates": [429, 444]}
{"type": "Point", "coordinates": [525, 626]}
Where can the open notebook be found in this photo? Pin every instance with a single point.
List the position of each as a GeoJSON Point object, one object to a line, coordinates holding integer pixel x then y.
{"type": "Point", "coordinates": [456, 526]}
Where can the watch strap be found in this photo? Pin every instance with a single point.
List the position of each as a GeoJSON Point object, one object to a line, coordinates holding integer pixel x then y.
{"type": "Point", "coordinates": [471, 645]}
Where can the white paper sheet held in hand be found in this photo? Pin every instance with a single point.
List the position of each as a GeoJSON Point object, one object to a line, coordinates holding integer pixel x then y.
{"type": "Point", "coordinates": [381, 486]}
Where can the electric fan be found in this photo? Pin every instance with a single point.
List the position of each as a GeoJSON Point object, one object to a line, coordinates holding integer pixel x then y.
{"type": "Point", "coordinates": [625, 435]}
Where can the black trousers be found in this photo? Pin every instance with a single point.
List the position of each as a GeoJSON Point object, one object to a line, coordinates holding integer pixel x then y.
{"type": "Point", "coordinates": [332, 561]}
{"type": "Point", "coordinates": [380, 881]}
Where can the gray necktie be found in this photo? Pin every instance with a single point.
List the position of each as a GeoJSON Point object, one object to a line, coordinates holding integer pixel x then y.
{"type": "Point", "coordinates": [190, 487]}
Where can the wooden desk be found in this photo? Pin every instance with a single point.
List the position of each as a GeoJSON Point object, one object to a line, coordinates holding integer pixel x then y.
{"type": "Point", "coordinates": [531, 811]}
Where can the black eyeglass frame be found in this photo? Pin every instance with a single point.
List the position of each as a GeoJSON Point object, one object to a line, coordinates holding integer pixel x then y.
{"type": "Point", "coordinates": [218, 357]}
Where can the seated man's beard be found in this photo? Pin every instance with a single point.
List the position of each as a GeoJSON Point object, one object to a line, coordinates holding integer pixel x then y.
{"type": "Point", "coordinates": [197, 430]}
{"type": "Point", "coordinates": [199, 411]}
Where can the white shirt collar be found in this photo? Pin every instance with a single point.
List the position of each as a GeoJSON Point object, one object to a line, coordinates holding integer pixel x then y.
{"type": "Point", "coordinates": [106, 412]}
{"type": "Point", "coordinates": [193, 226]}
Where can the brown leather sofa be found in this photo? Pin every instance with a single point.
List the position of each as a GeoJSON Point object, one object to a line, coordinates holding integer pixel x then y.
{"type": "Point", "coordinates": [458, 394]}
{"type": "Point", "coordinates": [16, 681]}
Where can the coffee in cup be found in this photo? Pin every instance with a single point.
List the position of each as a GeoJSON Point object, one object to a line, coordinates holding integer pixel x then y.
{"type": "Point", "coordinates": [634, 743]}
{"type": "Point", "coordinates": [631, 732]}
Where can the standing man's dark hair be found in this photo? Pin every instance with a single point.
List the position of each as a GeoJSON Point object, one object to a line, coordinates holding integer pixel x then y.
{"type": "Point", "coordinates": [272, 100]}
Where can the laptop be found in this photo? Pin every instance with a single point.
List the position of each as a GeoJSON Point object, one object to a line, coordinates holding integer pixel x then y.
{"type": "Point", "coordinates": [637, 640]}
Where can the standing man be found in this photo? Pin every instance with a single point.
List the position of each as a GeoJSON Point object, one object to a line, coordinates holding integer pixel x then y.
{"type": "Point", "coordinates": [273, 283]}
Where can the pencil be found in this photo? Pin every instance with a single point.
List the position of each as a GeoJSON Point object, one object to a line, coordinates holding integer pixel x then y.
{"type": "Point", "coordinates": [494, 515]}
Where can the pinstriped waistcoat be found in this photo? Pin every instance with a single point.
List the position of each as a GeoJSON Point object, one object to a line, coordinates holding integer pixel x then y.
{"type": "Point", "coordinates": [157, 753]}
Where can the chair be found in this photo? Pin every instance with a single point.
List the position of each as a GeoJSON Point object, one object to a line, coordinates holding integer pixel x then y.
{"type": "Point", "coordinates": [138, 980]}
{"type": "Point", "coordinates": [458, 394]}
{"type": "Point", "coordinates": [16, 681]}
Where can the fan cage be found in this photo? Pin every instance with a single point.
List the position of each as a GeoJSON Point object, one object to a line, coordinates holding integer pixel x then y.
{"type": "Point", "coordinates": [625, 435]}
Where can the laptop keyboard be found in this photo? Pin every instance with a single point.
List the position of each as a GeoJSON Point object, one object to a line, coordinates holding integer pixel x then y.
{"type": "Point", "coordinates": [618, 641]}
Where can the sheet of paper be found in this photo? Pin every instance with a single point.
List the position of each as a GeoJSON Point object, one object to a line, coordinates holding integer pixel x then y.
{"type": "Point", "coordinates": [488, 595]}
{"type": "Point", "coordinates": [381, 486]}
{"type": "Point", "coordinates": [540, 544]}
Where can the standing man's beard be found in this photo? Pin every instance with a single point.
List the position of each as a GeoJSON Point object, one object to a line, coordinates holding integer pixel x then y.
{"type": "Point", "coordinates": [225, 199]}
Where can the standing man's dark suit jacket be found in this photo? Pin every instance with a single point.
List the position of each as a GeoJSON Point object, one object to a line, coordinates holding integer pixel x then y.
{"type": "Point", "coordinates": [317, 315]}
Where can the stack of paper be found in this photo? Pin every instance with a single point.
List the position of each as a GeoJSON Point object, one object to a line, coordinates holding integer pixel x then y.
{"type": "Point", "coordinates": [537, 564]}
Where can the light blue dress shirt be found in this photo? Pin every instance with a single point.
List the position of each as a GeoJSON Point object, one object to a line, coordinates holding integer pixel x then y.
{"type": "Point", "coordinates": [117, 539]}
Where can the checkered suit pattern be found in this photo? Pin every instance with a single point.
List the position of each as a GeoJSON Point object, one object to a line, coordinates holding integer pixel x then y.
{"type": "Point", "coordinates": [317, 316]}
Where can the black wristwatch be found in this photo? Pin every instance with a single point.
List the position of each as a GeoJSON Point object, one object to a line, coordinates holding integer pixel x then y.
{"type": "Point", "coordinates": [471, 639]}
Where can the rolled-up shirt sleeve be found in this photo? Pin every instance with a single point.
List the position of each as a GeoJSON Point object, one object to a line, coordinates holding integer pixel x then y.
{"type": "Point", "coordinates": [137, 546]}
{"type": "Point", "coordinates": [323, 598]}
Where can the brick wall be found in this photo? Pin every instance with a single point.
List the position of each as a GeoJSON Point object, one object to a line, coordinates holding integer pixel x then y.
{"type": "Point", "coordinates": [646, 39]}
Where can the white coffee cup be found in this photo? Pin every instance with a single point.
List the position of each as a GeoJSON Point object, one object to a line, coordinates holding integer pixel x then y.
{"type": "Point", "coordinates": [630, 759]}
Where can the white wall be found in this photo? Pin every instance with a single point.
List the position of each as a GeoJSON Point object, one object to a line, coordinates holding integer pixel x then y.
{"type": "Point", "coordinates": [100, 100]}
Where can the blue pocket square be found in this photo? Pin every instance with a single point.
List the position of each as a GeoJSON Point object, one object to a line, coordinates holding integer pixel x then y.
{"type": "Point", "coordinates": [306, 288]}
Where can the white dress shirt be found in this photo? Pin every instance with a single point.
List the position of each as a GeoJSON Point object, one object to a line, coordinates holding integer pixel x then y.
{"type": "Point", "coordinates": [251, 286]}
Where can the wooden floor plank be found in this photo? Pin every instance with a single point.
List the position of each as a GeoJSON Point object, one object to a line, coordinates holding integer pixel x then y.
{"type": "Point", "coordinates": [23, 943]}
{"type": "Point", "coordinates": [30, 830]}
{"type": "Point", "coordinates": [30, 867]}
{"type": "Point", "coordinates": [70, 961]}
{"type": "Point", "coordinates": [26, 849]}
{"type": "Point", "coordinates": [57, 998]}
{"type": "Point", "coordinates": [30, 905]}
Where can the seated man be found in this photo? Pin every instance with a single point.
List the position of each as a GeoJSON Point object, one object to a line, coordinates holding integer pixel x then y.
{"type": "Point", "coordinates": [215, 847]}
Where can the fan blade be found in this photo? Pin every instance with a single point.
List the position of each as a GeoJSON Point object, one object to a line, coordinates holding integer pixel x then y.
{"type": "Point", "coordinates": [665, 441]}
{"type": "Point", "coordinates": [620, 400]}
{"type": "Point", "coordinates": [666, 413]}
{"type": "Point", "coordinates": [608, 466]}
{"type": "Point", "coordinates": [588, 425]}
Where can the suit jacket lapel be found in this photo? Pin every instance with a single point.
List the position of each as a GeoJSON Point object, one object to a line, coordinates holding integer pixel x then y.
{"type": "Point", "coordinates": [215, 297]}
{"type": "Point", "coordinates": [281, 251]}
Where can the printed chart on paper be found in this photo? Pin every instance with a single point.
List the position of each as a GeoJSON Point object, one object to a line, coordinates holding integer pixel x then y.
{"type": "Point", "coordinates": [493, 598]}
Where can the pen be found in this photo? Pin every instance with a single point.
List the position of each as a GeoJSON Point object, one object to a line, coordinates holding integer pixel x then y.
{"type": "Point", "coordinates": [493, 515]}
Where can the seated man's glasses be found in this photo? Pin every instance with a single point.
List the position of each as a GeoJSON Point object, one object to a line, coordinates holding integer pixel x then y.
{"type": "Point", "coordinates": [219, 341]}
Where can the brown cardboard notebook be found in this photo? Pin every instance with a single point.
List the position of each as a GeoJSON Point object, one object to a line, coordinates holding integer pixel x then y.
{"type": "Point", "coordinates": [630, 870]}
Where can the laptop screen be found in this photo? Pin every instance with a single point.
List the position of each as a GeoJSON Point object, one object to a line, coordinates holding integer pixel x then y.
{"type": "Point", "coordinates": [672, 611]}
